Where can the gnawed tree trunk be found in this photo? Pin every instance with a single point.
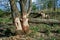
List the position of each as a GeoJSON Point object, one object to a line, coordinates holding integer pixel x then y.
{"type": "Point", "coordinates": [25, 24]}
{"type": "Point", "coordinates": [18, 24]}
{"type": "Point", "coordinates": [25, 14]}
{"type": "Point", "coordinates": [15, 15]}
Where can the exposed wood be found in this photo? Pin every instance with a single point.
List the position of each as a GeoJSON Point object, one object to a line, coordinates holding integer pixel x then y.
{"type": "Point", "coordinates": [25, 25]}
{"type": "Point", "coordinates": [24, 15]}
{"type": "Point", "coordinates": [15, 15]}
{"type": "Point", "coordinates": [18, 23]}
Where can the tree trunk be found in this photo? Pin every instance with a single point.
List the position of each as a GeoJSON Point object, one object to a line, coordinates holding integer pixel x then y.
{"type": "Point", "coordinates": [18, 24]}
{"type": "Point", "coordinates": [25, 24]}
{"type": "Point", "coordinates": [24, 16]}
{"type": "Point", "coordinates": [47, 21]}
{"type": "Point", "coordinates": [15, 15]}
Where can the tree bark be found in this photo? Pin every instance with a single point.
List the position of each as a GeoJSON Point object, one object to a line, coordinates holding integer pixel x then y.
{"type": "Point", "coordinates": [37, 20]}
{"type": "Point", "coordinates": [25, 15]}
{"type": "Point", "coordinates": [15, 15]}
{"type": "Point", "coordinates": [25, 24]}
{"type": "Point", "coordinates": [47, 21]}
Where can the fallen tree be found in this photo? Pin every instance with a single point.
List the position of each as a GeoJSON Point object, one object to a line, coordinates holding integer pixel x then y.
{"type": "Point", "coordinates": [37, 20]}
{"type": "Point", "coordinates": [48, 21]}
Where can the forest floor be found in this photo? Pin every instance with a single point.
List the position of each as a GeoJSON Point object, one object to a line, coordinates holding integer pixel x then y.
{"type": "Point", "coordinates": [39, 31]}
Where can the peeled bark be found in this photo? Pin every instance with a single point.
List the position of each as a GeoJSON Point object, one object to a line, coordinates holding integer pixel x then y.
{"type": "Point", "coordinates": [24, 16]}
{"type": "Point", "coordinates": [15, 15]}
{"type": "Point", "coordinates": [25, 24]}
{"type": "Point", "coordinates": [18, 24]}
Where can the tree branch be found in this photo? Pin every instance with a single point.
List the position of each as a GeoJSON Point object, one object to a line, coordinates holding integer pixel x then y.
{"type": "Point", "coordinates": [29, 7]}
{"type": "Point", "coordinates": [22, 6]}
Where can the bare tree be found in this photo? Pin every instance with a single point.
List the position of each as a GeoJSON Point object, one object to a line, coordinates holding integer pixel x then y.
{"type": "Point", "coordinates": [15, 15]}
{"type": "Point", "coordinates": [23, 24]}
{"type": "Point", "coordinates": [25, 13]}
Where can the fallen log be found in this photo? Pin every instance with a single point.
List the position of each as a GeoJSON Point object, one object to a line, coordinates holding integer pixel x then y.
{"type": "Point", "coordinates": [48, 21]}
{"type": "Point", "coordinates": [37, 20]}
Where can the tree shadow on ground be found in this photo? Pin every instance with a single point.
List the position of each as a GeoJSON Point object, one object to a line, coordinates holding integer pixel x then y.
{"type": "Point", "coordinates": [5, 32]}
